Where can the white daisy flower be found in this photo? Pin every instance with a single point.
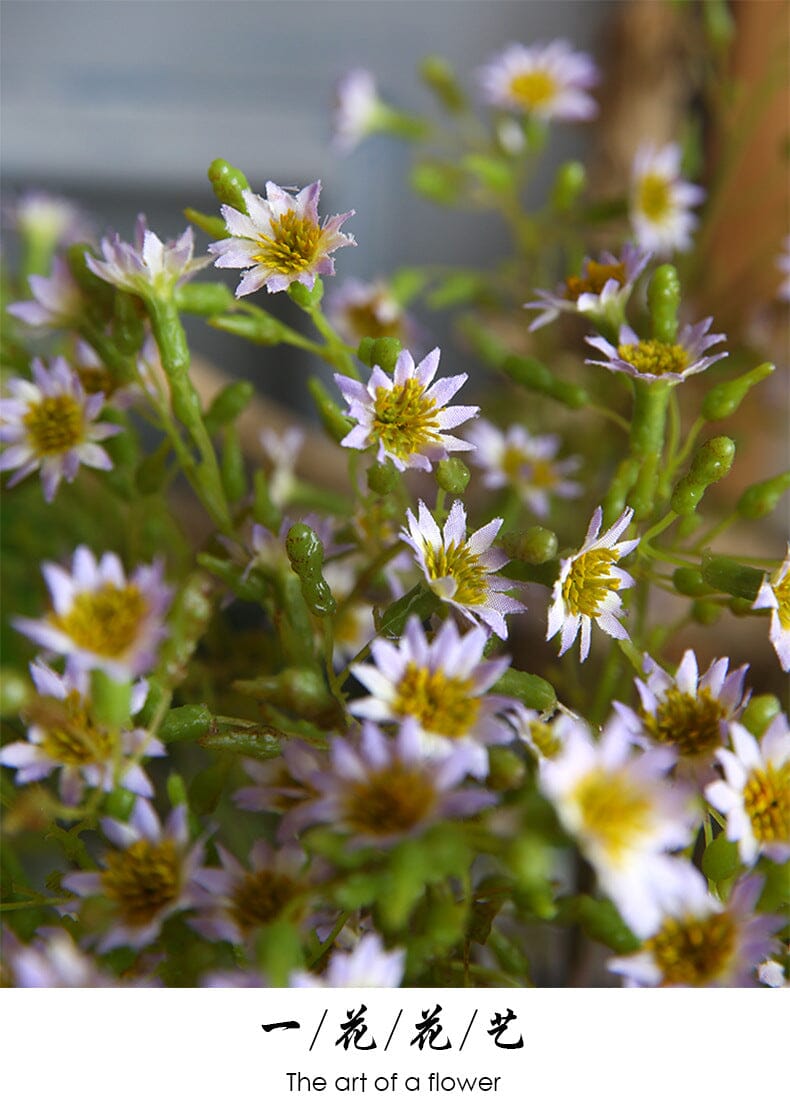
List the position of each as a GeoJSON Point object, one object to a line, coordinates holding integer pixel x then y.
{"type": "Point", "coordinates": [661, 200]}
{"type": "Point", "coordinates": [461, 570]}
{"type": "Point", "coordinates": [64, 735]}
{"type": "Point", "coordinates": [282, 450]}
{"type": "Point", "coordinates": [587, 587]}
{"type": "Point", "coordinates": [57, 300]}
{"type": "Point", "coordinates": [626, 816]}
{"type": "Point", "coordinates": [441, 685]}
{"type": "Point", "coordinates": [525, 462]}
{"type": "Point", "coordinates": [150, 876]}
{"type": "Point", "coordinates": [99, 620]}
{"type": "Point", "coordinates": [49, 424]}
{"type": "Point", "coordinates": [403, 415]}
{"type": "Point", "coordinates": [49, 219]}
{"type": "Point", "coordinates": [366, 965]}
{"type": "Point", "coordinates": [600, 293]}
{"type": "Point", "coordinates": [280, 239]}
{"type": "Point", "coordinates": [149, 265]}
{"type": "Point", "coordinates": [689, 712]}
{"type": "Point", "coordinates": [698, 941]}
{"type": "Point", "coordinates": [653, 360]}
{"type": "Point", "coordinates": [356, 109]}
{"type": "Point", "coordinates": [755, 792]}
{"type": "Point", "coordinates": [549, 81]}
{"type": "Point", "coordinates": [774, 593]}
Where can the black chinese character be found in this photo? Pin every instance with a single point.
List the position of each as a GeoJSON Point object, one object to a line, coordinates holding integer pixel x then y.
{"type": "Point", "coordinates": [353, 1030]}
{"type": "Point", "coordinates": [428, 1030]}
{"type": "Point", "coordinates": [280, 1024]}
{"type": "Point", "coordinates": [500, 1024]}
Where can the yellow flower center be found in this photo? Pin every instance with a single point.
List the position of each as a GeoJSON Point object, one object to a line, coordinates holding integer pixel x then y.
{"type": "Point", "coordinates": [364, 320]}
{"type": "Point", "coordinates": [589, 580]}
{"type": "Point", "coordinates": [405, 419]}
{"type": "Point", "coordinates": [594, 280]}
{"type": "Point", "coordinates": [614, 813]}
{"type": "Point", "coordinates": [690, 723]}
{"type": "Point", "coordinates": [69, 734]}
{"type": "Point", "coordinates": [142, 880]}
{"type": "Point", "coordinates": [260, 898]}
{"type": "Point", "coordinates": [458, 562]}
{"type": "Point", "coordinates": [544, 739]}
{"type": "Point", "coordinates": [442, 705]}
{"type": "Point", "coordinates": [766, 798]}
{"type": "Point", "coordinates": [292, 246]}
{"type": "Point", "coordinates": [105, 621]}
{"type": "Point", "coordinates": [394, 800]}
{"type": "Point", "coordinates": [542, 474]}
{"type": "Point", "coordinates": [513, 463]}
{"type": "Point", "coordinates": [782, 593]}
{"type": "Point", "coordinates": [55, 424]}
{"type": "Point", "coordinates": [653, 357]}
{"type": "Point", "coordinates": [97, 380]}
{"type": "Point", "coordinates": [655, 197]}
{"type": "Point", "coordinates": [693, 951]}
{"type": "Point", "coordinates": [533, 89]}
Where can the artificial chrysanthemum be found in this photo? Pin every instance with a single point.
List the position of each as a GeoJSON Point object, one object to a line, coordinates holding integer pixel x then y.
{"type": "Point", "coordinates": [600, 293]}
{"type": "Point", "coordinates": [53, 960]}
{"type": "Point", "coordinates": [239, 902]}
{"type": "Point", "coordinates": [64, 735]}
{"type": "Point", "coordinates": [549, 81]}
{"type": "Point", "coordinates": [367, 964]}
{"type": "Point", "coordinates": [356, 108]}
{"type": "Point", "coordinates": [698, 941]}
{"type": "Point", "coordinates": [283, 785]}
{"type": "Point", "coordinates": [57, 300]}
{"type": "Point", "coordinates": [755, 792]}
{"type": "Point", "coordinates": [774, 593]}
{"type": "Point", "coordinates": [50, 424]}
{"type": "Point", "coordinates": [689, 712]}
{"type": "Point", "coordinates": [661, 200]}
{"type": "Point", "coordinates": [149, 266]}
{"type": "Point", "coordinates": [149, 876]}
{"type": "Point", "coordinates": [405, 416]}
{"type": "Point", "coordinates": [627, 818]}
{"type": "Point", "coordinates": [656, 361]}
{"type": "Point", "coordinates": [461, 570]}
{"type": "Point", "coordinates": [441, 685]}
{"type": "Point", "coordinates": [543, 737]}
{"type": "Point", "coordinates": [101, 620]}
{"type": "Point", "coordinates": [526, 463]}
{"type": "Point", "coordinates": [280, 239]}
{"type": "Point", "coordinates": [382, 789]}
{"type": "Point", "coordinates": [359, 309]}
{"type": "Point", "coordinates": [50, 220]}
{"type": "Point", "coordinates": [587, 589]}
{"type": "Point", "coordinates": [282, 450]}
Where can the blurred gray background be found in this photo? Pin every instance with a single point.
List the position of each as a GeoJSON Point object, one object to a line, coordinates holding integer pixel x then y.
{"type": "Point", "coordinates": [122, 104]}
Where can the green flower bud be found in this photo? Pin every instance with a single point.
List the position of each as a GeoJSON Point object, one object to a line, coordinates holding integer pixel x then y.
{"type": "Point", "coordinates": [568, 186]}
{"type": "Point", "coordinates": [228, 404]}
{"type": "Point", "coordinates": [258, 328]}
{"type": "Point", "coordinates": [210, 223]}
{"type": "Point", "coordinates": [15, 692]}
{"type": "Point", "coordinates": [306, 298]}
{"type": "Point", "coordinates": [119, 804]}
{"type": "Point", "coordinates": [533, 691]}
{"type": "Point", "coordinates": [740, 606]}
{"type": "Point", "coordinates": [493, 172]}
{"type": "Point", "coordinates": [760, 713]}
{"type": "Point", "coordinates": [452, 475]}
{"type": "Point", "coordinates": [724, 399]}
{"type": "Point", "coordinates": [534, 375]}
{"type": "Point", "coordinates": [534, 546]}
{"type": "Point", "coordinates": [711, 462]}
{"type": "Point", "coordinates": [761, 499]}
{"type": "Point", "coordinates": [688, 581]}
{"type": "Point", "coordinates": [382, 478]}
{"type": "Point", "coordinates": [384, 352]}
{"type": "Point", "coordinates": [663, 299]}
{"type": "Point", "coordinates": [720, 859]}
{"type": "Point", "coordinates": [334, 420]}
{"type": "Point", "coordinates": [306, 555]}
{"type": "Point", "coordinates": [228, 184]}
{"type": "Point", "coordinates": [727, 576]}
{"type": "Point", "coordinates": [186, 724]}
{"type": "Point", "coordinates": [705, 612]}
{"type": "Point", "coordinates": [234, 475]}
{"type": "Point", "coordinates": [440, 78]}
{"type": "Point", "coordinates": [204, 299]}
{"type": "Point", "coordinates": [177, 790]}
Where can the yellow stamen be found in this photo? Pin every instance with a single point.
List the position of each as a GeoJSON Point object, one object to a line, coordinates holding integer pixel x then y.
{"type": "Point", "coordinates": [293, 245]}
{"type": "Point", "coordinates": [594, 280]}
{"type": "Point", "coordinates": [655, 196]}
{"type": "Point", "coordinates": [653, 357]}
{"type": "Point", "coordinates": [589, 580]}
{"type": "Point", "coordinates": [69, 734]}
{"type": "Point", "coordinates": [690, 723]}
{"type": "Point", "coordinates": [442, 705]}
{"type": "Point", "coordinates": [614, 813]}
{"type": "Point", "coordinates": [458, 562]}
{"type": "Point", "coordinates": [55, 425]}
{"type": "Point", "coordinates": [693, 951]}
{"type": "Point", "coordinates": [142, 880]}
{"type": "Point", "coordinates": [533, 89]}
{"type": "Point", "coordinates": [394, 800]}
{"type": "Point", "coordinates": [105, 621]}
{"type": "Point", "coordinates": [260, 898]}
{"type": "Point", "coordinates": [782, 593]}
{"type": "Point", "coordinates": [766, 798]}
{"type": "Point", "coordinates": [405, 419]}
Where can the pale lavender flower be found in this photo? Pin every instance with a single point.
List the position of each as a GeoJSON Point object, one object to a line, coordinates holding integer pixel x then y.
{"type": "Point", "coordinates": [405, 416]}
{"type": "Point", "coordinates": [696, 940]}
{"type": "Point", "coordinates": [755, 792]}
{"type": "Point", "coordinates": [526, 463]}
{"type": "Point", "coordinates": [150, 875]}
{"type": "Point", "coordinates": [461, 570]}
{"type": "Point", "coordinates": [661, 200]}
{"type": "Point", "coordinates": [689, 712]}
{"type": "Point", "coordinates": [50, 424]}
{"type": "Point", "coordinates": [356, 109]}
{"type": "Point", "coordinates": [99, 620]}
{"type": "Point", "coordinates": [283, 785]}
{"type": "Point", "coordinates": [366, 965]}
{"type": "Point", "coordinates": [774, 593]}
{"type": "Point", "coordinates": [50, 219]}
{"type": "Point", "coordinates": [239, 902]}
{"type": "Point", "coordinates": [282, 450]}
{"type": "Point", "coordinates": [586, 590]}
{"type": "Point", "coordinates": [625, 814]}
{"type": "Point", "coordinates": [280, 239]}
{"type": "Point", "coordinates": [57, 300]}
{"type": "Point", "coordinates": [64, 735]}
{"type": "Point", "coordinates": [600, 293]}
{"type": "Point", "coordinates": [148, 266]}
{"type": "Point", "coordinates": [50, 961]}
{"type": "Point", "coordinates": [653, 360]}
{"type": "Point", "coordinates": [97, 379]}
{"type": "Point", "coordinates": [441, 685]}
{"type": "Point", "coordinates": [772, 973]}
{"type": "Point", "coordinates": [358, 310]}
{"type": "Point", "coordinates": [549, 81]}
{"type": "Point", "coordinates": [382, 789]}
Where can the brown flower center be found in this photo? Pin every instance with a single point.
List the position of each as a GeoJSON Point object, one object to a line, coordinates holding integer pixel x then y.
{"type": "Point", "coordinates": [693, 951]}
{"type": "Point", "coordinates": [69, 735]}
{"type": "Point", "coordinates": [55, 424]}
{"type": "Point", "coordinates": [261, 897]}
{"type": "Point", "coordinates": [143, 879]}
{"type": "Point", "coordinates": [394, 800]}
{"type": "Point", "coordinates": [690, 723]}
